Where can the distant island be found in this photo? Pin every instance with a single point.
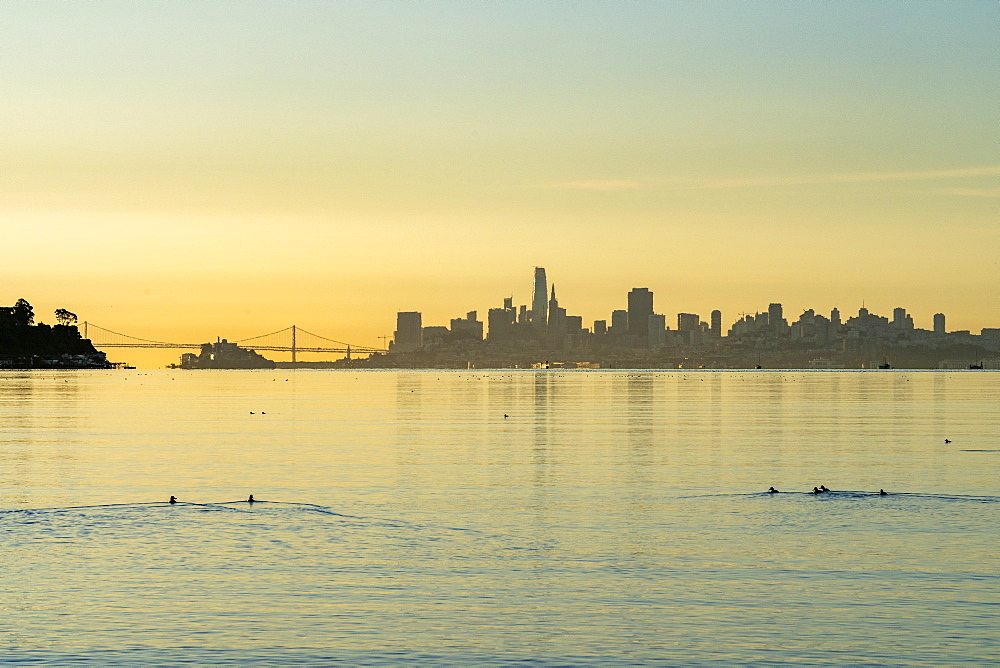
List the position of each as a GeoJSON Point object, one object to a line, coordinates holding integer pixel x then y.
{"type": "Point", "coordinates": [26, 345]}
{"type": "Point", "coordinates": [223, 355]}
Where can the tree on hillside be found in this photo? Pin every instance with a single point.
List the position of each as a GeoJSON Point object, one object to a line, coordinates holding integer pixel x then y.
{"type": "Point", "coordinates": [24, 315]}
{"type": "Point", "coordinates": [64, 317]}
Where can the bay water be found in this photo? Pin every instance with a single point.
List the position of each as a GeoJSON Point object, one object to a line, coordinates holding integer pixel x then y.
{"type": "Point", "coordinates": [499, 517]}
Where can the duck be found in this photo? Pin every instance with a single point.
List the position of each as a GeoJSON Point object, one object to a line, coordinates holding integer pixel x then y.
{"type": "Point", "coordinates": [823, 488]}
{"type": "Point", "coordinates": [250, 500]}
{"type": "Point", "coordinates": [882, 492]}
{"type": "Point", "coordinates": [816, 490]}
{"type": "Point", "coordinates": [771, 490]}
{"type": "Point", "coordinates": [173, 499]}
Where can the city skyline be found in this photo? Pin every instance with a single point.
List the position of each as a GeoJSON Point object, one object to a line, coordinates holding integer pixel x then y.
{"type": "Point", "coordinates": [637, 301]}
{"type": "Point", "coordinates": [640, 306]}
{"type": "Point", "coordinates": [194, 168]}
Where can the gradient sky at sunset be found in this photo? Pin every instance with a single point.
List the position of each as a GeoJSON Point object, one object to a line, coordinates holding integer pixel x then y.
{"type": "Point", "coordinates": [199, 169]}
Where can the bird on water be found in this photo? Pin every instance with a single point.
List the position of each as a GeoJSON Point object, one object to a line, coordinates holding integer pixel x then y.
{"type": "Point", "coordinates": [771, 490]}
{"type": "Point", "coordinates": [882, 492]}
{"type": "Point", "coordinates": [250, 500]}
{"type": "Point", "coordinates": [173, 499]}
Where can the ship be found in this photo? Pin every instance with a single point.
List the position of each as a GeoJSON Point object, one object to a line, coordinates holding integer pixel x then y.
{"type": "Point", "coordinates": [224, 355]}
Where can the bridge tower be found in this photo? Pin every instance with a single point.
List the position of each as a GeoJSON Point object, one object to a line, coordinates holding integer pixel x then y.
{"type": "Point", "coordinates": [293, 344]}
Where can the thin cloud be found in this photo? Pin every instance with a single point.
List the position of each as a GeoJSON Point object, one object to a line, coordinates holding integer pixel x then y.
{"type": "Point", "coordinates": [849, 177]}
{"type": "Point", "coordinates": [607, 185]}
{"type": "Point", "coordinates": [614, 185]}
{"type": "Point", "coordinates": [974, 192]}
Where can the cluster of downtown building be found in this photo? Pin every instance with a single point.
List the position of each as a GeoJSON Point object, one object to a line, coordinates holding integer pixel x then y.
{"type": "Point", "coordinates": [638, 336]}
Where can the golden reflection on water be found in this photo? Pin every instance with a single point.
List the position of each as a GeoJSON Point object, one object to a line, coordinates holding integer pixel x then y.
{"type": "Point", "coordinates": [512, 515]}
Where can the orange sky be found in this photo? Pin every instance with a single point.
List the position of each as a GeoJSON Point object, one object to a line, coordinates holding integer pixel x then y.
{"type": "Point", "coordinates": [200, 169]}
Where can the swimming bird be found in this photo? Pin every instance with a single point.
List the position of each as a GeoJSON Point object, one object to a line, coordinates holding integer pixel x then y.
{"type": "Point", "coordinates": [771, 490]}
{"type": "Point", "coordinates": [823, 488]}
{"type": "Point", "coordinates": [881, 492]}
{"type": "Point", "coordinates": [816, 490]}
{"type": "Point", "coordinates": [173, 499]}
{"type": "Point", "coordinates": [250, 500]}
{"type": "Point", "coordinates": [947, 440]}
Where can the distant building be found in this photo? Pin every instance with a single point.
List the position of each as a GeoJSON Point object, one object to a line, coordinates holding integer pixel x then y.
{"type": "Point", "coordinates": [468, 327]}
{"type": "Point", "coordinates": [939, 323]}
{"type": "Point", "coordinates": [619, 322]}
{"type": "Point", "coordinates": [500, 323]}
{"type": "Point", "coordinates": [775, 319]}
{"type": "Point", "coordinates": [573, 324]}
{"type": "Point", "coordinates": [640, 307]}
{"type": "Point", "coordinates": [835, 317]}
{"type": "Point", "coordinates": [557, 315]}
{"type": "Point", "coordinates": [689, 328]}
{"type": "Point", "coordinates": [716, 327]}
{"type": "Point", "coordinates": [901, 319]}
{"type": "Point", "coordinates": [657, 331]}
{"type": "Point", "coordinates": [435, 335]}
{"type": "Point", "coordinates": [409, 334]}
{"type": "Point", "coordinates": [539, 306]}
{"type": "Point", "coordinates": [600, 327]}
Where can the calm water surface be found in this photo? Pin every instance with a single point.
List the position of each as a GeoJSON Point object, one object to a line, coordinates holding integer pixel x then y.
{"type": "Point", "coordinates": [499, 517]}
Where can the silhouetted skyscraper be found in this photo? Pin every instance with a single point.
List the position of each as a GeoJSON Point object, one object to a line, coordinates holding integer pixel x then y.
{"type": "Point", "coordinates": [776, 321]}
{"type": "Point", "coordinates": [656, 331]}
{"type": "Point", "coordinates": [619, 322]}
{"type": "Point", "coordinates": [409, 334]}
{"type": "Point", "coordinates": [500, 323]}
{"type": "Point", "coordinates": [539, 305]}
{"type": "Point", "coordinates": [689, 327]}
{"type": "Point", "coordinates": [716, 328]}
{"type": "Point", "coordinates": [640, 307]}
{"type": "Point", "coordinates": [939, 323]}
{"type": "Point", "coordinates": [835, 317]}
{"type": "Point", "coordinates": [557, 315]}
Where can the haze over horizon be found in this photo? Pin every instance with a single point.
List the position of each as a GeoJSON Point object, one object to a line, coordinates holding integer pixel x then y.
{"type": "Point", "coordinates": [191, 169]}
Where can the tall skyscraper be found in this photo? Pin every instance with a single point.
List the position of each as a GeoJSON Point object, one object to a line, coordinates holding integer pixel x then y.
{"type": "Point", "coordinates": [640, 307]}
{"type": "Point", "coordinates": [657, 331]}
{"type": "Point", "coordinates": [539, 301]}
{"type": "Point", "coordinates": [557, 314]}
{"type": "Point", "coordinates": [716, 327]}
{"type": "Point", "coordinates": [835, 317]}
{"type": "Point", "coordinates": [500, 323]}
{"type": "Point", "coordinates": [409, 334]}
{"type": "Point", "coordinates": [775, 318]}
{"type": "Point", "coordinates": [689, 328]}
{"type": "Point", "coordinates": [619, 322]}
{"type": "Point", "coordinates": [939, 323]}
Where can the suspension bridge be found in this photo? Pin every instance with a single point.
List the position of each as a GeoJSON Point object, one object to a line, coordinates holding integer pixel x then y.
{"type": "Point", "coordinates": [292, 339]}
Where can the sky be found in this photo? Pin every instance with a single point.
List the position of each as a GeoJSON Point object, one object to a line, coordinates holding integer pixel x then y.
{"type": "Point", "coordinates": [182, 170]}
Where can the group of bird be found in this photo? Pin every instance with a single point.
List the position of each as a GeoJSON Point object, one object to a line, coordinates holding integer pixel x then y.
{"type": "Point", "coordinates": [173, 499]}
{"type": "Point", "coordinates": [821, 490]}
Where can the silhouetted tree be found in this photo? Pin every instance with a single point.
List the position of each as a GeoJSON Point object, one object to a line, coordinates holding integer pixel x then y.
{"type": "Point", "coordinates": [64, 317]}
{"type": "Point", "coordinates": [24, 315]}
